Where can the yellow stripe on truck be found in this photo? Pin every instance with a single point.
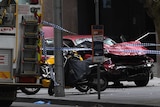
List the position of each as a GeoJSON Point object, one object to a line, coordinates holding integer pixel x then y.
{"type": "Point", "coordinates": [5, 75]}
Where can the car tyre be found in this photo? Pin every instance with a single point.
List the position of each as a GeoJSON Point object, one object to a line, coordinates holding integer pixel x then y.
{"type": "Point", "coordinates": [103, 84]}
{"type": "Point", "coordinates": [144, 81]}
{"type": "Point", "coordinates": [82, 88]}
{"type": "Point", "coordinates": [51, 89]}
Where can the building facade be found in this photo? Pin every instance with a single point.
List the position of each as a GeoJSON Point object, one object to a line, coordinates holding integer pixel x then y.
{"type": "Point", "coordinates": [119, 17]}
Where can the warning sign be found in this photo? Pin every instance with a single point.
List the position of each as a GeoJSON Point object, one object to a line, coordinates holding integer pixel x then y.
{"type": "Point", "coordinates": [23, 9]}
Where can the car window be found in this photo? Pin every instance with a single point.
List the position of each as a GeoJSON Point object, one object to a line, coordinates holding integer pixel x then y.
{"type": "Point", "coordinates": [49, 52]}
{"type": "Point", "coordinates": [68, 42]}
{"type": "Point", "coordinates": [49, 43]}
{"type": "Point", "coordinates": [81, 40]}
{"type": "Point", "coordinates": [109, 41]}
{"type": "Point", "coordinates": [85, 44]}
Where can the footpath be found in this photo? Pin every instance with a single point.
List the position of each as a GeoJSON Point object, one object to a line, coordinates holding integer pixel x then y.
{"type": "Point", "coordinates": [127, 96]}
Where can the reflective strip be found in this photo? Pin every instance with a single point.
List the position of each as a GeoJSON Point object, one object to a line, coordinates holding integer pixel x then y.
{"type": "Point", "coordinates": [137, 51]}
{"type": "Point", "coordinates": [142, 44]}
{"type": "Point", "coordinates": [115, 50]}
{"type": "Point", "coordinates": [67, 49]}
{"type": "Point", "coordinates": [5, 75]}
{"type": "Point", "coordinates": [58, 27]}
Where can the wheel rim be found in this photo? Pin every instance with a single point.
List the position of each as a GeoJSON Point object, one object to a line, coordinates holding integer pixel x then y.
{"type": "Point", "coordinates": [84, 87]}
{"type": "Point", "coordinates": [103, 84]}
{"type": "Point", "coordinates": [31, 89]}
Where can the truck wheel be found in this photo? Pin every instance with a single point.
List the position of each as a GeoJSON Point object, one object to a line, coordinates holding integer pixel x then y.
{"type": "Point", "coordinates": [30, 91]}
{"type": "Point", "coordinates": [144, 81]}
{"type": "Point", "coordinates": [5, 103]}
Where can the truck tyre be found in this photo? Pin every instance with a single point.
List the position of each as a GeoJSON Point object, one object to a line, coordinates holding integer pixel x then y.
{"type": "Point", "coordinates": [5, 103]}
{"type": "Point", "coordinates": [30, 91]}
{"type": "Point", "coordinates": [144, 81]}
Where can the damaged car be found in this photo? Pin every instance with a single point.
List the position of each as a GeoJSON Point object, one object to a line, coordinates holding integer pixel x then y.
{"type": "Point", "coordinates": [130, 63]}
{"type": "Point", "coordinates": [126, 61]}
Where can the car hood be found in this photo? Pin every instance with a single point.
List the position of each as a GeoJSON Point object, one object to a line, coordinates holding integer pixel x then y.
{"type": "Point", "coordinates": [131, 48]}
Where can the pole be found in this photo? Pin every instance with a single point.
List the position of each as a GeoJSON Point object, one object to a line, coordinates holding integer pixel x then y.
{"type": "Point", "coordinates": [97, 11]}
{"type": "Point", "coordinates": [98, 77]}
{"type": "Point", "coordinates": [59, 71]}
{"type": "Point", "coordinates": [98, 68]}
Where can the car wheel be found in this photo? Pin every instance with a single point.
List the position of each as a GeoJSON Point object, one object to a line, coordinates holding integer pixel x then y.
{"type": "Point", "coordinates": [103, 84]}
{"type": "Point", "coordinates": [51, 89]}
{"type": "Point", "coordinates": [144, 81]}
{"type": "Point", "coordinates": [82, 88]}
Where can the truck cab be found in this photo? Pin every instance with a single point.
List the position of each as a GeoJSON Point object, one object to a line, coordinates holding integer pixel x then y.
{"type": "Point", "coordinates": [20, 44]}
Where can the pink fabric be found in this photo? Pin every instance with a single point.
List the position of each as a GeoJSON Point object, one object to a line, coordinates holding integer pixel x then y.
{"type": "Point", "coordinates": [48, 32]}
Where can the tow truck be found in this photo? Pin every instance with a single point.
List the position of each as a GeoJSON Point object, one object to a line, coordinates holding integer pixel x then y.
{"type": "Point", "coordinates": [20, 43]}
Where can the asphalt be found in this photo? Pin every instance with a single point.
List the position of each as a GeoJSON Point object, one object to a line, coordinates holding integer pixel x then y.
{"type": "Point", "coordinates": [127, 96]}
